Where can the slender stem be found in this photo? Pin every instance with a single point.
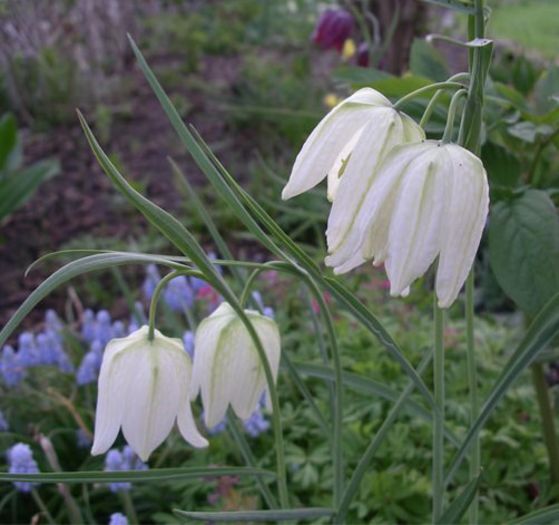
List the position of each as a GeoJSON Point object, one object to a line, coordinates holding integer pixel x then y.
{"type": "Point", "coordinates": [42, 507]}
{"type": "Point", "coordinates": [449, 128]}
{"type": "Point", "coordinates": [129, 508]}
{"type": "Point", "coordinates": [155, 299]}
{"type": "Point", "coordinates": [373, 446]}
{"type": "Point", "coordinates": [432, 103]}
{"type": "Point", "coordinates": [438, 413]}
{"type": "Point", "coordinates": [248, 286]}
{"type": "Point", "coordinates": [548, 420]}
{"type": "Point", "coordinates": [473, 393]}
{"type": "Point", "coordinates": [425, 89]}
{"type": "Point", "coordinates": [337, 449]}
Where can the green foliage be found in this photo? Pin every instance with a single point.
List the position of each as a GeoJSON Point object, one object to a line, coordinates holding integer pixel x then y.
{"type": "Point", "coordinates": [18, 183]}
{"type": "Point", "coordinates": [426, 61]}
{"type": "Point", "coordinates": [524, 248]}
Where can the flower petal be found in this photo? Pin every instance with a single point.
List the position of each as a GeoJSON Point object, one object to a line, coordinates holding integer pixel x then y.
{"type": "Point", "coordinates": [153, 397]}
{"type": "Point", "coordinates": [468, 205]}
{"type": "Point", "coordinates": [112, 386]}
{"type": "Point", "coordinates": [187, 426]}
{"type": "Point", "coordinates": [415, 229]}
{"type": "Point", "coordinates": [328, 139]}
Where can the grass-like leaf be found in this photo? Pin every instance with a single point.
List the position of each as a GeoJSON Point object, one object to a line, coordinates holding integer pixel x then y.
{"type": "Point", "coordinates": [548, 515]}
{"type": "Point", "coordinates": [135, 476]}
{"type": "Point", "coordinates": [460, 505]}
{"type": "Point", "coordinates": [311, 513]}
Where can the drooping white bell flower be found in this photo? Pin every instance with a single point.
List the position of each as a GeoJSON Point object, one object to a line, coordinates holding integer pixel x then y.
{"type": "Point", "coordinates": [428, 199]}
{"type": "Point", "coordinates": [346, 146]}
{"type": "Point", "coordinates": [144, 387]}
{"type": "Point", "coordinates": [227, 368]}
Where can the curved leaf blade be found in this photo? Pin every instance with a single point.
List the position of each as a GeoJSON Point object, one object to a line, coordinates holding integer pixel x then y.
{"type": "Point", "coordinates": [310, 513]}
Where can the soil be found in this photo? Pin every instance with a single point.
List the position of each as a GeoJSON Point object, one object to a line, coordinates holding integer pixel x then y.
{"type": "Point", "coordinates": [81, 200]}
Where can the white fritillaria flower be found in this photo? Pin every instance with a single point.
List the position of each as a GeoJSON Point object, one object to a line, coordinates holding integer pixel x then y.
{"type": "Point", "coordinates": [347, 145]}
{"type": "Point", "coordinates": [143, 388]}
{"type": "Point", "coordinates": [227, 368]}
{"type": "Point", "coordinates": [428, 199]}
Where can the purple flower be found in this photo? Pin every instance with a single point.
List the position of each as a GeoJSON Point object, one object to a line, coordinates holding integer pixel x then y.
{"type": "Point", "coordinates": [20, 460]}
{"type": "Point", "coordinates": [27, 350]}
{"type": "Point", "coordinates": [117, 460]}
{"type": "Point", "coordinates": [363, 55]}
{"type": "Point", "coordinates": [151, 280]}
{"type": "Point", "coordinates": [13, 371]}
{"type": "Point", "coordinates": [90, 365]}
{"type": "Point", "coordinates": [88, 326]}
{"type": "Point", "coordinates": [188, 340]}
{"type": "Point", "coordinates": [333, 28]}
{"type": "Point", "coordinates": [118, 519]}
{"type": "Point", "coordinates": [178, 294]}
{"type": "Point", "coordinates": [256, 423]}
{"type": "Point", "coordinates": [83, 439]}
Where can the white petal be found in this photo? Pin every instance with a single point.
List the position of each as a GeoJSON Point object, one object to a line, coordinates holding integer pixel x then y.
{"type": "Point", "coordinates": [328, 139]}
{"type": "Point", "coordinates": [112, 386]}
{"type": "Point", "coordinates": [468, 205]}
{"type": "Point", "coordinates": [187, 426]}
{"type": "Point", "coordinates": [154, 396]}
{"type": "Point", "coordinates": [415, 229]}
{"type": "Point", "coordinates": [339, 167]}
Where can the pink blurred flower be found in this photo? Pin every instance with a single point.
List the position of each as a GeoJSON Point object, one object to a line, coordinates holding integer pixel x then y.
{"type": "Point", "coordinates": [333, 28]}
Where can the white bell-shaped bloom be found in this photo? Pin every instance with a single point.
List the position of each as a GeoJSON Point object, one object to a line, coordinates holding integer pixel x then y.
{"type": "Point", "coordinates": [346, 147]}
{"type": "Point", "coordinates": [144, 388]}
{"type": "Point", "coordinates": [227, 368]}
{"type": "Point", "coordinates": [428, 199]}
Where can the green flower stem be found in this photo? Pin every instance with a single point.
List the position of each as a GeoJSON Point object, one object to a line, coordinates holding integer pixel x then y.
{"type": "Point", "coordinates": [337, 448]}
{"type": "Point", "coordinates": [438, 94]}
{"type": "Point", "coordinates": [129, 508]}
{"type": "Point", "coordinates": [548, 420]}
{"type": "Point", "coordinates": [366, 458]}
{"type": "Point", "coordinates": [42, 507]}
{"type": "Point", "coordinates": [248, 286]}
{"type": "Point", "coordinates": [475, 462]}
{"type": "Point", "coordinates": [426, 89]}
{"type": "Point", "coordinates": [449, 128]}
{"type": "Point", "coordinates": [155, 299]}
{"type": "Point", "coordinates": [438, 414]}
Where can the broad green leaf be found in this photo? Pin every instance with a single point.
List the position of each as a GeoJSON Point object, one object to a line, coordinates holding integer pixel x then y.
{"type": "Point", "coordinates": [10, 145]}
{"type": "Point", "coordinates": [17, 187]}
{"type": "Point", "coordinates": [426, 61]}
{"type": "Point", "coordinates": [258, 515]}
{"type": "Point", "coordinates": [548, 515]}
{"type": "Point", "coordinates": [460, 505]}
{"type": "Point", "coordinates": [542, 331]}
{"type": "Point", "coordinates": [503, 168]}
{"type": "Point", "coordinates": [358, 77]}
{"type": "Point", "coordinates": [524, 248]}
{"type": "Point", "coordinates": [547, 90]}
{"type": "Point", "coordinates": [87, 264]}
{"type": "Point", "coordinates": [195, 473]}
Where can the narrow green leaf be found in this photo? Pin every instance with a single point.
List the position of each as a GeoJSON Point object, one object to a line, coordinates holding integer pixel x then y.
{"type": "Point", "coordinates": [460, 505]}
{"type": "Point", "coordinates": [258, 515]}
{"type": "Point", "coordinates": [135, 476]}
{"type": "Point", "coordinates": [548, 515]}
{"type": "Point", "coordinates": [87, 264]}
{"type": "Point", "coordinates": [541, 332]}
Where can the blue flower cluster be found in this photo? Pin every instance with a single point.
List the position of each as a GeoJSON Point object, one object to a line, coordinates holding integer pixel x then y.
{"type": "Point", "coordinates": [97, 330]}
{"type": "Point", "coordinates": [118, 519]}
{"type": "Point", "coordinates": [4, 427]}
{"type": "Point", "coordinates": [45, 348]}
{"type": "Point", "coordinates": [119, 460]}
{"type": "Point", "coordinates": [20, 461]}
{"type": "Point", "coordinates": [254, 425]}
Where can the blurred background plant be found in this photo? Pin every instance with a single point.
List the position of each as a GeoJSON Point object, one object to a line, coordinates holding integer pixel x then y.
{"type": "Point", "coordinates": [254, 77]}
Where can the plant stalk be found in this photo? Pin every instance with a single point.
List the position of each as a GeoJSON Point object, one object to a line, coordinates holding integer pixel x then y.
{"type": "Point", "coordinates": [438, 412]}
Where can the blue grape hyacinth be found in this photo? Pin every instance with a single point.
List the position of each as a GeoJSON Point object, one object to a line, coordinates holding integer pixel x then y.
{"type": "Point", "coordinates": [117, 460]}
{"type": "Point", "coordinates": [20, 461]}
{"type": "Point", "coordinates": [118, 519]}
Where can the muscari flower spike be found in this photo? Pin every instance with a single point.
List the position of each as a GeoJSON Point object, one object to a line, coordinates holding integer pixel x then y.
{"type": "Point", "coordinates": [143, 388]}
{"type": "Point", "coordinates": [428, 200]}
{"type": "Point", "coordinates": [227, 369]}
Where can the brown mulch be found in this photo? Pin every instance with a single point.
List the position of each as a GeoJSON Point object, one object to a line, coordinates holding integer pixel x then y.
{"type": "Point", "coordinates": [81, 200]}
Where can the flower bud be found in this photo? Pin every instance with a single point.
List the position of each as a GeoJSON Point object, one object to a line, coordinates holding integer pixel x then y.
{"type": "Point", "coordinates": [428, 200]}
{"type": "Point", "coordinates": [362, 58]}
{"type": "Point", "coordinates": [333, 29]}
{"type": "Point", "coordinates": [143, 388]}
{"type": "Point", "coordinates": [227, 367]}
